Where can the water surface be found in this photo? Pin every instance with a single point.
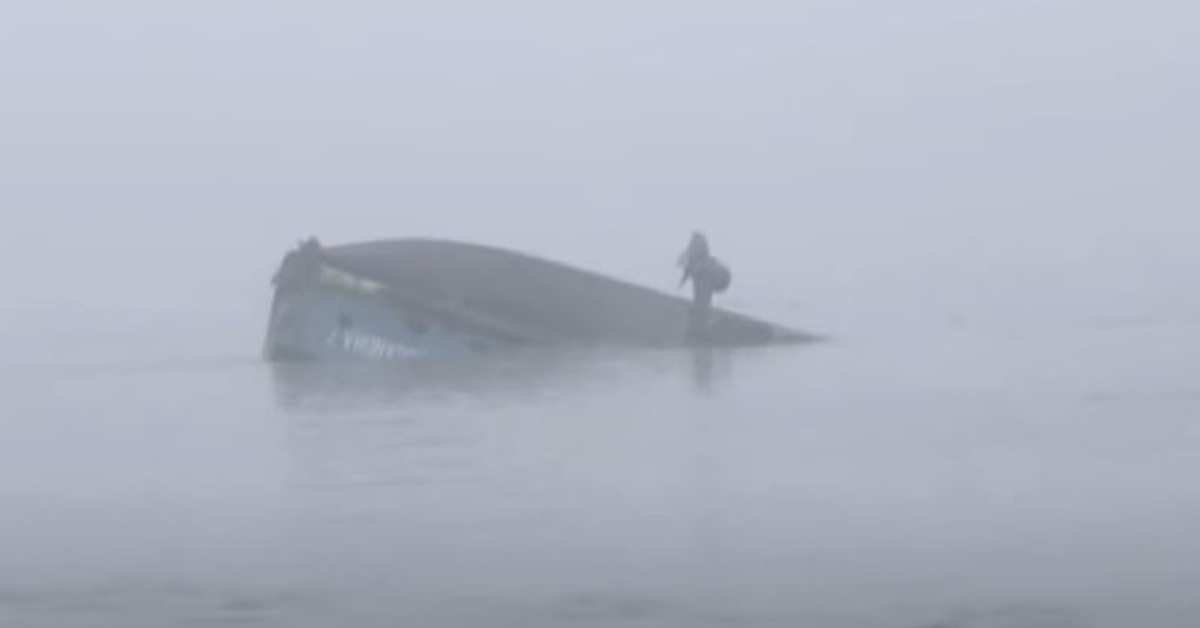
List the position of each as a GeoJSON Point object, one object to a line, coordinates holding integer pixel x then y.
{"type": "Point", "coordinates": [957, 477]}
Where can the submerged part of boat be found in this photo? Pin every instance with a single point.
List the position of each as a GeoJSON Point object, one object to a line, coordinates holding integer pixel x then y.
{"type": "Point", "coordinates": [405, 299]}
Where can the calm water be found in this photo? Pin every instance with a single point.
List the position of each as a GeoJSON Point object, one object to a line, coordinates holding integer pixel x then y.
{"type": "Point", "coordinates": [957, 478]}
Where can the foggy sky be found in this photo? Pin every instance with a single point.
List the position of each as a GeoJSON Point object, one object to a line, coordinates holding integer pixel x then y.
{"type": "Point", "coordinates": [167, 153]}
{"type": "Point", "coordinates": [874, 170]}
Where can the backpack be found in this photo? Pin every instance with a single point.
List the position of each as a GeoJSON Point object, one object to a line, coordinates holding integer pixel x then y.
{"type": "Point", "coordinates": [717, 275]}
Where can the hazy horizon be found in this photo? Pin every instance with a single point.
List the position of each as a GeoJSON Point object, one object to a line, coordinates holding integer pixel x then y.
{"type": "Point", "coordinates": [989, 206]}
{"type": "Point", "coordinates": [861, 149]}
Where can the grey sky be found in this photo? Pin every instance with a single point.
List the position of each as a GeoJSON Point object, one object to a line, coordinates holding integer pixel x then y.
{"type": "Point", "coordinates": [991, 205]}
{"type": "Point", "coordinates": [873, 142]}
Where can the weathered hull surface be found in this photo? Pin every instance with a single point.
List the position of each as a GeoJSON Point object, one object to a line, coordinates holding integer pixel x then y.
{"type": "Point", "coordinates": [407, 299]}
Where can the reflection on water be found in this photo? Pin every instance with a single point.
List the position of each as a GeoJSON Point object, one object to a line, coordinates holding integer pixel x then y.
{"type": "Point", "coordinates": [595, 489]}
{"type": "Point", "coordinates": [364, 424]}
{"type": "Point", "coordinates": [523, 480]}
{"type": "Point", "coordinates": [989, 484]}
{"type": "Point", "coordinates": [309, 387]}
{"type": "Point", "coordinates": [711, 367]}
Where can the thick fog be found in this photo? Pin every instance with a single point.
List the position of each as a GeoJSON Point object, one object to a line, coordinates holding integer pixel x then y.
{"type": "Point", "coordinates": [907, 154]}
{"type": "Point", "coordinates": [991, 207]}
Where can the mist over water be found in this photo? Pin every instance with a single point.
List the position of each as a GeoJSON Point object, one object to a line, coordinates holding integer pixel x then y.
{"type": "Point", "coordinates": [990, 210]}
{"type": "Point", "coordinates": [956, 476]}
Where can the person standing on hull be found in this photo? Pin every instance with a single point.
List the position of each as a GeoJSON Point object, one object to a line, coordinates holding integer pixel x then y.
{"type": "Point", "coordinates": [709, 277]}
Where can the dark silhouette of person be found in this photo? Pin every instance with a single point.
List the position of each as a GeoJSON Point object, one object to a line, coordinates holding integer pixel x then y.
{"type": "Point", "coordinates": [709, 277]}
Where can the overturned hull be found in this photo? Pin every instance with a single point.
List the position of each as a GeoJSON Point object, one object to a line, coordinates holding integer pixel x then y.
{"type": "Point", "coordinates": [409, 299]}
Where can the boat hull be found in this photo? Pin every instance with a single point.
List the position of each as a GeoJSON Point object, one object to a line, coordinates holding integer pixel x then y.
{"type": "Point", "coordinates": [417, 299]}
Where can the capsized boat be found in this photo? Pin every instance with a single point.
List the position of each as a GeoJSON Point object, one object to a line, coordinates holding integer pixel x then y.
{"type": "Point", "coordinates": [420, 298]}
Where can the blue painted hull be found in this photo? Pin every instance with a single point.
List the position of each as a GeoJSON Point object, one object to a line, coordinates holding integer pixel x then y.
{"type": "Point", "coordinates": [323, 323]}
